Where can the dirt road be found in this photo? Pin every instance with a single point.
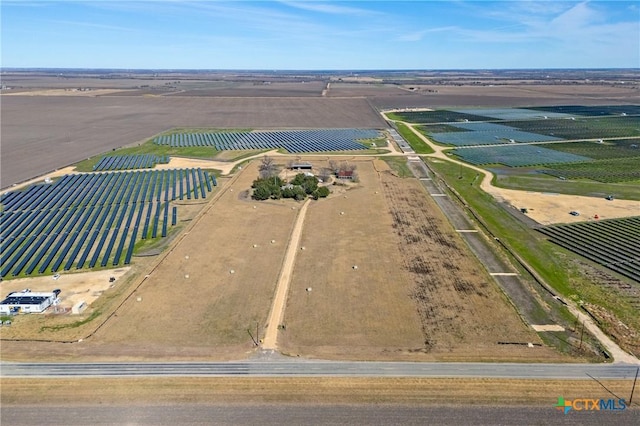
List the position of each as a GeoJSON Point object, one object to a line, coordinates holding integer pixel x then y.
{"type": "Point", "coordinates": [279, 301]}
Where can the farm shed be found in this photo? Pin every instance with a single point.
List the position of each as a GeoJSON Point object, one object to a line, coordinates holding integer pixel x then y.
{"type": "Point", "coordinates": [27, 302]}
{"type": "Point", "coordinates": [301, 166]}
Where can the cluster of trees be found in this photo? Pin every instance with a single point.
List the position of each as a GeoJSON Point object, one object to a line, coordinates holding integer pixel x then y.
{"type": "Point", "coordinates": [270, 185]}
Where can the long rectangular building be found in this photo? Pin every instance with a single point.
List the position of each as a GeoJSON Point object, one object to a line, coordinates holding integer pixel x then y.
{"type": "Point", "coordinates": [26, 301]}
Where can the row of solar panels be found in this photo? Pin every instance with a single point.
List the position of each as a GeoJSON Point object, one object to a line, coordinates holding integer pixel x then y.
{"type": "Point", "coordinates": [130, 162]}
{"type": "Point", "coordinates": [291, 140]}
{"type": "Point", "coordinates": [81, 213]}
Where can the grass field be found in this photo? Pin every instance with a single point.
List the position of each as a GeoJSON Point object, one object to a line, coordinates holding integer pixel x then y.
{"type": "Point", "coordinates": [416, 143]}
{"type": "Point", "coordinates": [570, 275]}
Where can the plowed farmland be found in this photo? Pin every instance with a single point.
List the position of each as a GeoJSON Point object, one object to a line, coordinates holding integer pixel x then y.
{"type": "Point", "coordinates": [43, 133]}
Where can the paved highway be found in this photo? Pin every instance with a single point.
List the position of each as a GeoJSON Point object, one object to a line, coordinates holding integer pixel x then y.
{"type": "Point", "coordinates": [302, 368]}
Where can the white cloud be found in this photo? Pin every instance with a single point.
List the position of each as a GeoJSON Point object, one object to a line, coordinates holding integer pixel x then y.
{"type": "Point", "coordinates": [330, 8]}
{"type": "Point", "coordinates": [419, 35]}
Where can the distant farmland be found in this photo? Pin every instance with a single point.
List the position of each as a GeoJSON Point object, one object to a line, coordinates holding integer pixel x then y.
{"type": "Point", "coordinates": [81, 127]}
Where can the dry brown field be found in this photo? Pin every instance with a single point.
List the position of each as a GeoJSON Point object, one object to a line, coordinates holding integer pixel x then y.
{"type": "Point", "coordinates": [257, 89]}
{"type": "Point", "coordinates": [365, 89]}
{"type": "Point", "coordinates": [43, 133]}
{"type": "Point", "coordinates": [417, 293]}
{"type": "Point", "coordinates": [309, 390]}
{"type": "Point", "coordinates": [511, 96]}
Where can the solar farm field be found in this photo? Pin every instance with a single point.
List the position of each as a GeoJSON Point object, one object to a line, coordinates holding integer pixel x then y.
{"type": "Point", "coordinates": [294, 141]}
{"type": "Point", "coordinates": [516, 155]}
{"type": "Point", "coordinates": [614, 243]}
{"type": "Point", "coordinates": [510, 113]}
{"type": "Point", "coordinates": [129, 162]}
{"type": "Point", "coordinates": [582, 128]}
{"type": "Point", "coordinates": [437, 116]}
{"type": "Point", "coordinates": [79, 220]}
{"type": "Point", "coordinates": [608, 149]}
{"type": "Point", "coordinates": [591, 110]}
{"type": "Point", "coordinates": [487, 134]}
{"type": "Point", "coordinates": [607, 171]}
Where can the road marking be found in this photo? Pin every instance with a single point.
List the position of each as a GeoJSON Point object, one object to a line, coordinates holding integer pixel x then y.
{"type": "Point", "coordinates": [425, 178]}
{"type": "Point", "coordinates": [466, 230]}
{"type": "Point", "coordinates": [547, 327]}
{"type": "Point", "coordinates": [438, 195]}
{"type": "Point", "coordinates": [503, 274]}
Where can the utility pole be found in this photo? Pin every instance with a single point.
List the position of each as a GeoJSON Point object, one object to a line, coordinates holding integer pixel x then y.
{"type": "Point", "coordinates": [634, 386]}
{"type": "Point", "coordinates": [581, 335]}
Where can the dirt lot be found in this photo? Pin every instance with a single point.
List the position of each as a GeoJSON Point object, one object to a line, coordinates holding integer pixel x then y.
{"type": "Point", "coordinates": [550, 208]}
{"type": "Point", "coordinates": [76, 287]}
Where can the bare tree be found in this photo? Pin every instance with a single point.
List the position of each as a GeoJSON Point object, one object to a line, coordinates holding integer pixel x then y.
{"type": "Point", "coordinates": [267, 167]}
{"type": "Point", "coordinates": [345, 166]}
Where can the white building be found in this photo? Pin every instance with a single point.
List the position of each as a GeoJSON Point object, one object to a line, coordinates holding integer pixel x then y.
{"type": "Point", "coordinates": [26, 301]}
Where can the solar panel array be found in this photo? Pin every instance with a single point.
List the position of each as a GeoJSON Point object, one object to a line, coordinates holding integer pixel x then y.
{"type": "Point", "coordinates": [294, 141]}
{"type": "Point", "coordinates": [516, 155]}
{"type": "Point", "coordinates": [488, 134]}
{"type": "Point", "coordinates": [512, 113]}
{"type": "Point", "coordinates": [81, 218]}
{"type": "Point", "coordinates": [130, 162]}
{"type": "Point", "coordinates": [613, 243]}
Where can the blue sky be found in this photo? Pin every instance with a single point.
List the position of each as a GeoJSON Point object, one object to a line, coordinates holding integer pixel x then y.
{"type": "Point", "coordinates": [307, 35]}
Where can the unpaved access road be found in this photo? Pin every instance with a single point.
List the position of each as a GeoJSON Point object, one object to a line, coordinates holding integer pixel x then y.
{"type": "Point", "coordinates": [280, 299]}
